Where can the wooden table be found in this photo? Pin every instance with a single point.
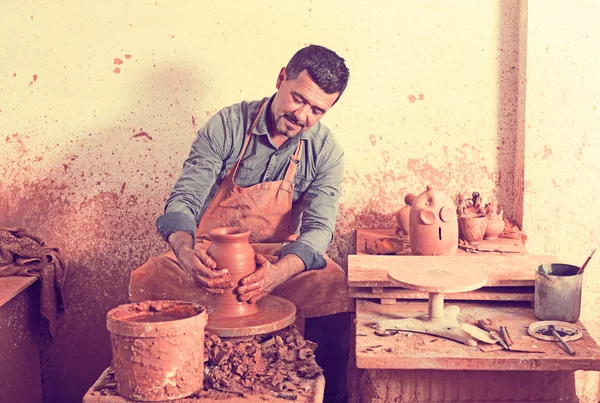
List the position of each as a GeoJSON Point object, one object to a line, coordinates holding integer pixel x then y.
{"type": "Point", "coordinates": [414, 367]}
{"type": "Point", "coordinates": [20, 319]}
{"type": "Point", "coordinates": [104, 391]}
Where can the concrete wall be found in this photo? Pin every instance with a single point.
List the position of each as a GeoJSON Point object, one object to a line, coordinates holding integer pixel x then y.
{"type": "Point", "coordinates": [99, 102]}
{"type": "Point", "coordinates": [562, 145]}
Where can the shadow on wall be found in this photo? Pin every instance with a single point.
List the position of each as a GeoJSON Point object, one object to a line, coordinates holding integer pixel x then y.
{"type": "Point", "coordinates": [98, 203]}
{"type": "Point", "coordinates": [509, 159]}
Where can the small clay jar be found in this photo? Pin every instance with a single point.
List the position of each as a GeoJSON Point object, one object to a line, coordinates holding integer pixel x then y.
{"type": "Point", "coordinates": [495, 220]}
{"type": "Point", "coordinates": [472, 227]}
{"type": "Point", "coordinates": [231, 250]}
{"type": "Point", "coordinates": [403, 215]}
{"type": "Point", "coordinates": [433, 225]}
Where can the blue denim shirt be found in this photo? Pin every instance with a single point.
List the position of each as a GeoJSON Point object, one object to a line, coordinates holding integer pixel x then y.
{"type": "Point", "coordinates": [317, 184]}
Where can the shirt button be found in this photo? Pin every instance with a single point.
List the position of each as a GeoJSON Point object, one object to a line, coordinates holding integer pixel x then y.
{"type": "Point", "coordinates": [267, 179]}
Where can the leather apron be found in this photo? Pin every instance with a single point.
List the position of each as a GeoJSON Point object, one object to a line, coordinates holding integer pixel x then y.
{"type": "Point", "coordinates": [264, 208]}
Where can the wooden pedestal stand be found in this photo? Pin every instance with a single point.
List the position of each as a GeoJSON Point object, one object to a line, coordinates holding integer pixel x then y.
{"type": "Point", "coordinates": [436, 281]}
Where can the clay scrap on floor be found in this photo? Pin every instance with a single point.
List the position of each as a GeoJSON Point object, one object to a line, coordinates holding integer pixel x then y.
{"type": "Point", "coordinates": [279, 364]}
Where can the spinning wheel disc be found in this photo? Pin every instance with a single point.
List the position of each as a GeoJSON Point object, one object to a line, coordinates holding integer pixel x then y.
{"type": "Point", "coordinates": [274, 313]}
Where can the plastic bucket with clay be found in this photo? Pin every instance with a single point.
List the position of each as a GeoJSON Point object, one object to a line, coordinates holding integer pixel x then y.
{"type": "Point", "coordinates": [158, 349]}
{"type": "Point", "coordinates": [558, 292]}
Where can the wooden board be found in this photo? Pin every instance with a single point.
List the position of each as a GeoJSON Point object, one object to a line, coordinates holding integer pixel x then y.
{"type": "Point", "coordinates": [13, 285]}
{"type": "Point", "coordinates": [420, 351]}
{"type": "Point", "coordinates": [502, 270]}
{"type": "Point", "coordinates": [104, 391]}
{"type": "Point", "coordinates": [364, 235]}
{"type": "Point", "coordinates": [483, 294]}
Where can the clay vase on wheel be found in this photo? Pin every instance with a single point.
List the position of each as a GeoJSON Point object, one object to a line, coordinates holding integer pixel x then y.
{"type": "Point", "coordinates": [231, 250]}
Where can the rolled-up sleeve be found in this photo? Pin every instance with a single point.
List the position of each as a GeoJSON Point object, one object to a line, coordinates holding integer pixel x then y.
{"type": "Point", "coordinates": [319, 208]}
{"type": "Point", "coordinates": [200, 170]}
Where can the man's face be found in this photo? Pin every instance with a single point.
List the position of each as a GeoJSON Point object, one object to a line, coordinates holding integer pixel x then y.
{"type": "Point", "coordinates": [298, 104]}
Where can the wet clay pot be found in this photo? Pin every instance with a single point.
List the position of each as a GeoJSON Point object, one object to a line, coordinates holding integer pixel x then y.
{"type": "Point", "coordinates": [403, 215]}
{"type": "Point", "coordinates": [433, 228]}
{"type": "Point", "coordinates": [472, 227]}
{"type": "Point", "coordinates": [231, 250]}
{"type": "Point", "coordinates": [157, 349]}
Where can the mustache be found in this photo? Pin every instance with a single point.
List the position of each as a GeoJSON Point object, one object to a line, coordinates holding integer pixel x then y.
{"type": "Point", "coordinates": [294, 120]}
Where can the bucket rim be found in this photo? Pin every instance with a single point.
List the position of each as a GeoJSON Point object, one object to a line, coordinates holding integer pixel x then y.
{"type": "Point", "coordinates": [540, 269]}
{"type": "Point", "coordinates": [117, 319]}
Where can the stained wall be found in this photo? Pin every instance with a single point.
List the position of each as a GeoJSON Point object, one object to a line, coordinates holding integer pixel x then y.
{"type": "Point", "coordinates": [100, 101]}
{"type": "Point", "coordinates": [562, 145]}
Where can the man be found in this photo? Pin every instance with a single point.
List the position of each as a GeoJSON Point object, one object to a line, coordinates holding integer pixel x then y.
{"type": "Point", "coordinates": [271, 166]}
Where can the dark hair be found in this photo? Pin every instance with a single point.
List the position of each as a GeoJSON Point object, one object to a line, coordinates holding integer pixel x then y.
{"type": "Point", "coordinates": [323, 65]}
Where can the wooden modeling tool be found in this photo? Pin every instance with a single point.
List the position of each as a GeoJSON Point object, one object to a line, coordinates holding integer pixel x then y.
{"type": "Point", "coordinates": [560, 339]}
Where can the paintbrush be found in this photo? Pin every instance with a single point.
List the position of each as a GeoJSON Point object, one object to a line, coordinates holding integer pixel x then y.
{"type": "Point", "coordinates": [586, 262]}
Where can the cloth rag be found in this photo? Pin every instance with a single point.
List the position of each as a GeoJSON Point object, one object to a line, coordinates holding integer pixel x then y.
{"type": "Point", "coordinates": [23, 254]}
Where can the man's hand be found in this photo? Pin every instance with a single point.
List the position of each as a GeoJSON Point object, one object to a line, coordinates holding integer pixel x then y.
{"type": "Point", "coordinates": [267, 277]}
{"type": "Point", "coordinates": [199, 267]}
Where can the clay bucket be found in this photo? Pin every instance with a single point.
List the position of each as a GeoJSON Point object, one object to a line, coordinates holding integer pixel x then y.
{"type": "Point", "coordinates": [558, 292]}
{"type": "Point", "coordinates": [231, 250]}
{"type": "Point", "coordinates": [472, 227]}
{"type": "Point", "coordinates": [158, 349]}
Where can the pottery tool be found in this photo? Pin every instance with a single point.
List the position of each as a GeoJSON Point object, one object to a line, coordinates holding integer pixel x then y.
{"type": "Point", "coordinates": [479, 334]}
{"type": "Point", "coordinates": [560, 339]}
{"type": "Point", "coordinates": [505, 336]}
{"type": "Point", "coordinates": [586, 262]}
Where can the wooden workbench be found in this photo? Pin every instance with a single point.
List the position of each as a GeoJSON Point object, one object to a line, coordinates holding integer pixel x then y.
{"type": "Point", "coordinates": [104, 391]}
{"type": "Point", "coordinates": [421, 351]}
{"type": "Point", "coordinates": [412, 367]}
{"type": "Point", "coordinates": [511, 276]}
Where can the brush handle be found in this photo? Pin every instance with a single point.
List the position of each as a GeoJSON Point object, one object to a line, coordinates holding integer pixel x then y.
{"type": "Point", "coordinates": [586, 262]}
{"type": "Point", "coordinates": [560, 339]}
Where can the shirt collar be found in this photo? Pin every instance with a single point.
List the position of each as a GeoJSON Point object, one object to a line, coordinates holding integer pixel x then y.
{"type": "Point", "coordinates": [261, 126]}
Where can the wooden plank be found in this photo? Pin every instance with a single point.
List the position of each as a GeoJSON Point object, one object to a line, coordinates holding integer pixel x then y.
{"type": "Point", "coordinates": [502, 270]}
{"type": "Point", "coordinates": [420, 351]}
{"type": "Point", "coordinates": [364, 235]}
{"type": "Point", "coordinates": [13, 285]}
{"type": "Point", "coordinates": [483, 294]}
{"type": "Point", "coordinates": [104, 391]}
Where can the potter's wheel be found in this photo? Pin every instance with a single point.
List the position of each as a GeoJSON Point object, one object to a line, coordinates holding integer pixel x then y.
{"type": "Point", "coordinates": [274, 313]}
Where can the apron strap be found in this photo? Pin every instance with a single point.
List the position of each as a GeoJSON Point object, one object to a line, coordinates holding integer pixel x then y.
{"type": "Point", "coordinates": [237, 163]}
{"type": "Point", "coordinates": [290, 172]}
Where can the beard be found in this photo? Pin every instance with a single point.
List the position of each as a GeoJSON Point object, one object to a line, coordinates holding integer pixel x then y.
{"type": "Point", "coordinates": [288, 126]}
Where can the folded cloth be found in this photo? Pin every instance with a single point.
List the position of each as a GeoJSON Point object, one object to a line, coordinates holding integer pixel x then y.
{"type": "Point", "coordinates": [23, 254]}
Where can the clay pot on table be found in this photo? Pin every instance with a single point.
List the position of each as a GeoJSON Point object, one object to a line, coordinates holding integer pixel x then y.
{"type": "Point", "coordinates": [472, 227]}
{"type": "Point", "coordinates": [157, 349]}
{"type": "Point", "coordinates": [231, 250]}
{"type": "Point", "coordinates": [433, 225]}
{"type": "Point", "coordinates": [403, 215]}
{"type": "Point", "coordinates": [495, 220]}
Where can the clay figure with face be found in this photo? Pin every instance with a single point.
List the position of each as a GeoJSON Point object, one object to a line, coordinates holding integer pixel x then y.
{"type": "Point", "coordinates": [433, 224]}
